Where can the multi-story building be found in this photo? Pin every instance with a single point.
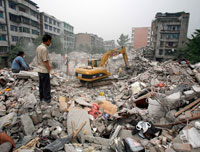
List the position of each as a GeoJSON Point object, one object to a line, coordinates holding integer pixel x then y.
{"type": "Point", "coordinates": [86, 41]}
{"type": "Point", "coordinates": [49, 25]}
{"type": "Point", "coordinates": [169, 33]}
{"type": "Point", "coordinates": [18, 19]}
{"type": "Point", "coordinates": [109, 45]}
{"type": "Point", "coordinates": [140, 37]}
{"type": "Point", "coordinates": [67, 36]}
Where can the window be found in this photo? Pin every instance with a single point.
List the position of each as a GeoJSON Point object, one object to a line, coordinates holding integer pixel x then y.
{"type": "Point", "coordinates": [1, 3]}
{"type": "Point", "coordinates": [26, 30]}
{"type": "Point", "coordinates": [50, 28]}
{"type": "Point", "coordinates": [15, 38]}
{"type": "Point", "coordinates": [54, 29]}
{"type": "Point", "coordinates": [54, 22]}
{"type": "Point", "coordinates": [176, 36]}
{"type": "Point", "coordinates": [22, 9]}
{"type": "Point", "coordinates": [169, 36]}
{"type": "Point", "coordinates": [3, 48]}
{"type": "Point", "coordinates": [34, 23]}
{"type": "Point", "coordinates": [12, 5]}
{"type": "Point", "coordinates": [58, 31]}
{"type": "Point", "coordinates": [2, 37]}
{"type": "Point", "coordinates": [20, 29]}
{"type": "Point", "coordinates": [161, 43]}
{"type": "Point", "coordinates": [13, 28]}
{"type": "Point", "coordinates": [170, 52]}
{"type": "Point", "coordinates": [50, 21]}
{"type": "Point", "coordinates": [45, 19]}
{"type": "Point", "coordinates": [170, 44]}
{"type": "Point", "coordinates": [25, 20]}
{"type": "Point", "coordinates": [14, 18]}
{"type": "Point", "coordinates": [1, 14]}
{"type": "Point", "coordinates": [2, 27]}
{"type": "Point", "coordinates": [173, 27]}
{"type": "Point", "coordinates": [33, 13]}
{"type": "Point", "coordinates": [46, 26]}
{"type": "Point", "coordinates": [35, 32]}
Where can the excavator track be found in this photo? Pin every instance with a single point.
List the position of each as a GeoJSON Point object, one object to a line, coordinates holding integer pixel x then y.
{"type": "Point", "coordinates": [98, 83]}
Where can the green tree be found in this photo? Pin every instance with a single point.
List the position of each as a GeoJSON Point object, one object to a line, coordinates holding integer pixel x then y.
{"type": "Point", "coordinates": [192, 49]}
{"type": "Point", "coordinates": [123, 40]}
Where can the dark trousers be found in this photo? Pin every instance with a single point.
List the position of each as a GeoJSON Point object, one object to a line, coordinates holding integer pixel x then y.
{"type": "Point", "coordinates": [44, 86]}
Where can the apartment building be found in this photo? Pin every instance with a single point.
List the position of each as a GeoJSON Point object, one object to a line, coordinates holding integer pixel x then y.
{"type": "Point", "coordinates": [140, 37]}
{"type": "Point", "coordinates": [88, 41]}
{"type": "Point", "coordinates": [18, 19]}
{"type": "Point", "coordinates": [67, 36]}
{"type": "Point", "coordinates": [109, 45]}
{"type": "Point", "coordinates": [169, 33]}
{"type": "Point", "coordinates": [49, 25]}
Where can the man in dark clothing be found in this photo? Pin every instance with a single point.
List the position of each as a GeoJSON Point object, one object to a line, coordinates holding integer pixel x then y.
{"type": "Point", "coordinates": [44, 69]}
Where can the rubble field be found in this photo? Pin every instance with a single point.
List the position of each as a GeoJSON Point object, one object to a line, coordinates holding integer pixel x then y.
{"type": "Point", "coordinates": [154, 107]}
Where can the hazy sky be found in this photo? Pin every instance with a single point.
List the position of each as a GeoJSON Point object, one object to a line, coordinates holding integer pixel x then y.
{"type": "Point", "coordinates": [110, 18]}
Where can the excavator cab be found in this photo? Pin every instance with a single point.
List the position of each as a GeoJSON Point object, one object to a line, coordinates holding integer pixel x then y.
{"type": "Point", "coordinates": [94, 62]}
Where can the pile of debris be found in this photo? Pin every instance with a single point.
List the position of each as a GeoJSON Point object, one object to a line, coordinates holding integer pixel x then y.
{"type": "Point", "coordinates": [155, 108]}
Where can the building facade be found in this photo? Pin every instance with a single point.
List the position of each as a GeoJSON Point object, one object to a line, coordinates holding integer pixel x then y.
{"type": "Point", "coordinates": [85, 41]}
{"type": "Point", "coordinates": [49, 25]}
{"type": "Point", "coordinates": [18, 19]}
{"type": "Point", "coordinates": [67, 36]}
{"type": "Point", "coordinates": [109, 45]}
{"type": "Point", "coordinates": [140, 37]}
{"type": "Point", "coordinates": [169, 33]}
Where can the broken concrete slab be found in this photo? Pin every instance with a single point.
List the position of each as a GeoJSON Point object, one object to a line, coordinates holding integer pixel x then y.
{"type": "Point", "coordinates": [27, 124]}
{"type": "Point", "coordinates": [196, 88]}
{"type": "Point", "coordinates": [2, 110]}
{"type": "Point", "coordinates": [82, 102]}
{"type": "Point", "coordinates": [7, 120]}
{"type": "Point", "coordinates": [27, 75]}
{"type": "Point", "coordinates": [182, 147]}
{"type": "Point", "coordinates": [69, 148]}
{"type": "Point", "coordinates": [98, 140]}
{"type": "Point", "coordinates": [30, 101]}
{"type": "Point", "coordinates": [173, 100]}
{"type": "Point", "coordinates": [78, 116]}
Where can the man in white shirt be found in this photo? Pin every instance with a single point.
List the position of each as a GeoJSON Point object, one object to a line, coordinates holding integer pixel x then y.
{"type": "Point", "coordinates": [44, 69]}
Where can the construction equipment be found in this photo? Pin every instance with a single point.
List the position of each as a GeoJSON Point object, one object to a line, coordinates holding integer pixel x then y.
{"type": "Point", "coordinates": [96, 70]}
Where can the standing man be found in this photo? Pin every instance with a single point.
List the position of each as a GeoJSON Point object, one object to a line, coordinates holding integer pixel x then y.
{"type": "Point", "coordinates": [44, 69]}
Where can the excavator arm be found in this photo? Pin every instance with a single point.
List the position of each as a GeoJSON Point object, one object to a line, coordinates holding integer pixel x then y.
{"type": "Point", "coordinates": [114, 52]}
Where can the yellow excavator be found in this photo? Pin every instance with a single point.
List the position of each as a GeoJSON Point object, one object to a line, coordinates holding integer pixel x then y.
{"type": "Point", "coordinates": [95, 73]}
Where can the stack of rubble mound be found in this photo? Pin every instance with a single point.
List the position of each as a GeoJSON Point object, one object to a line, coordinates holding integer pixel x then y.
{"type": "Point", "coordinates": [156, 109]}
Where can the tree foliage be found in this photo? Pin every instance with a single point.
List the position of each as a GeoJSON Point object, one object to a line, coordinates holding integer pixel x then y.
{"type": "Point", "coordinates": [123, 40]}
{"type": "Point", "coordinates": [192, 50]}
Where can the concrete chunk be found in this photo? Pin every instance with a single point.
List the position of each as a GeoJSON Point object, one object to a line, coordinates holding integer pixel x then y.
{"type": "Point", "coordinates": [69, 148]}
{"type": "Point", "coordinates": [182, 147]}
{"type": "Point", "coordinates": [30, 101]}
{"type": "Point", "coordinates": [98, 140]}
{"type": "Point", "coordinates": [196, 88]}
{"type": "Point", "coordinates": [173, 100]}
{"type": "Point", "coordinates": [79, 116]}
{"type": "Point", "coordinates": [27, 124]}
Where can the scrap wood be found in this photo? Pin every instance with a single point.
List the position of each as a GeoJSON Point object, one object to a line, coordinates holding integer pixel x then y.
{"type": "Point", "coordinates": [187, 107]}
{"type": "Point", "coordinates": [195, 107]}
{"type": "Point", "coordinates": [194, 117]}
{"type": "Point", "coordinates": [75, 133]}
{"type": "Point", "coordinates": [31, 145]}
